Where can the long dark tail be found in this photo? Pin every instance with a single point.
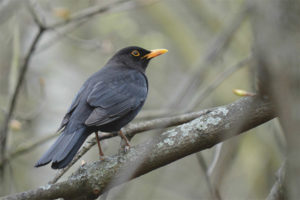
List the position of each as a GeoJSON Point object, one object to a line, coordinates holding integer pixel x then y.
{"type": "Point", "coordinates": [64, 149]}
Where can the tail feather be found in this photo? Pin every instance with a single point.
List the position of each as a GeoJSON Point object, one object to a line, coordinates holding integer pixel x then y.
{"type": "Point", "coordinates": [64, 149]}
{"type": "Point", "coordinates": [47, 157]}
{"type": "Point", "coordinates": [68, 158]}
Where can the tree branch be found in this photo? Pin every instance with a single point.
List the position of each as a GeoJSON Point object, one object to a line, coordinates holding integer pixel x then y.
{"type": "Point", "coordinates": [217, 125]}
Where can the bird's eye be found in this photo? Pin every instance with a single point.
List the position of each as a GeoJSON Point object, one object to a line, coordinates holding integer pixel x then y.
{"type": "Point", "coordinates": [135, 53]}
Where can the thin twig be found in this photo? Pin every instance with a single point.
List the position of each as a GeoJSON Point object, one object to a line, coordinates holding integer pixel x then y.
{"type": "Point", "coordinates": [12, 105]}
{"type": "Point", "coordinates": [87, 13]}
{"type": "Point", "coordinates": [278, 190]}
{"type": "Point", "coordinates": [202, 94]}
{"type": "Point", "coordinates": [213, 190]}
{"type": "Point", "coordinates": [30, 6]}
{"type": "Point", "coordinates": [26, 147]}
{"type": "Point", "coordinates": [215, 159]}
{"type": "Point", "coordinates": [152, 114]}
{"type": "Point", "coordinates": [201, 66]}
{"type": "Point", "coordinates": [59, 35]}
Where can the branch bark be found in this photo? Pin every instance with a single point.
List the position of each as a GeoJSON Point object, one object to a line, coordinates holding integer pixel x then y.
{"type": "Point", "coordinates": [215, 126]}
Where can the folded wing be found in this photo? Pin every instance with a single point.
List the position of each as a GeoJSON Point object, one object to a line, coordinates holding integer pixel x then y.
{"type": "Point", "coordinates": [114, 99]}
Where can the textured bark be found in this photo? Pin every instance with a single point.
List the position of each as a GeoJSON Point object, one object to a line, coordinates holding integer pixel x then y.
{"type": "Point", "coordinates": [214, 126]}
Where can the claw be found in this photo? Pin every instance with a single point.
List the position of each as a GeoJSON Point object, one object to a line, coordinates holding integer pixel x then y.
{"type": "Point", "coordinates": [126, 149]}
{"type": "Point", "coordinates": [102, 158]}
{"type": "Point", "coordinates": [124, 138]}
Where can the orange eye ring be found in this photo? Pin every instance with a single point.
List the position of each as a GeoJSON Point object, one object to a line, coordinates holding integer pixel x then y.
{"type": "Point", "coordinates": [135, 53]}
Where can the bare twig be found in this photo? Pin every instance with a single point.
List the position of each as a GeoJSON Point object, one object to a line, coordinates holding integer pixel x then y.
{"type": "Point", "coordinates": [12, 105]}
{"type": "Point", "coordinates": [87, 13]}
{"type": "Point", "coordinates": [215, 159]}
{"type": "Point", "coordinates": [278, 190]}
{"type": "Point", "coordinates": [213, 191]}
{"type": "Point", "coordinates": [92, 180]}
{"type": "Point", "coordinates": [59, 35]}
{"type": "Point", "coordinates": [26, 147]}
{"type": "Point", "coordinates": [31, 7]}
{"type": "Point", "coordinates": [202, 94]}
{"type": "Point", "coordinates": [152, 114]}
{"type": "Point", "coordinates": [201, 66]}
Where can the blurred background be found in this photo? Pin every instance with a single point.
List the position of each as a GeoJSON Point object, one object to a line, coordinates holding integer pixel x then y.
{"type": "Point", "coordinates": [209, 43]}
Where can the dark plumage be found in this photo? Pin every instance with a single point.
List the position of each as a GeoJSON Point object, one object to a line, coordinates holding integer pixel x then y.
{"type": "Point", "coordinates": [106, 102]}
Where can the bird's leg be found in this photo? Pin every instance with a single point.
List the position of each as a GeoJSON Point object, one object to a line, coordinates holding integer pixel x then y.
{"type": "Point", "coordinates": [99, 146]}
{"type": "Point", "coordinates": [127, 145]}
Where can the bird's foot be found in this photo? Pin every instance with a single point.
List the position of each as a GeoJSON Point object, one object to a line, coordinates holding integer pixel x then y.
{"type": "Point", "coordinates": [125, 145]}
{"type": "Point", "coordinates": [83, 162]}
{"type": "Point", "coordinates": [126, 148]}
{"type": "Point", "coordinates": [102, 158]}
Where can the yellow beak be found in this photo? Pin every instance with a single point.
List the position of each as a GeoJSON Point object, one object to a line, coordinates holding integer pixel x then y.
{"type": "Point", "coordinates": [155, 52]}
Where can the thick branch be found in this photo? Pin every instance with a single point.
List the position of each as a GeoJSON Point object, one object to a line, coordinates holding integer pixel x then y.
{"type": "Point", "coordinates": [221, 123]}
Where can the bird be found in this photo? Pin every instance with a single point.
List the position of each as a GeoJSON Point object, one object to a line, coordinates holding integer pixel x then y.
{"type": "Point", "coordinates": [107, 101]}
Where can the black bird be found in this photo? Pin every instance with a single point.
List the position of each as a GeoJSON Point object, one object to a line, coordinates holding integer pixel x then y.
{"type": "Point", "coordinates": [107, 101]}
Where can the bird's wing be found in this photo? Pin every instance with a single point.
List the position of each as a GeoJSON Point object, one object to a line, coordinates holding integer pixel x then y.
{"type": "Point", "coordinates": [72, 107]}
{"type": "Point", "coordinates": [115, 98]}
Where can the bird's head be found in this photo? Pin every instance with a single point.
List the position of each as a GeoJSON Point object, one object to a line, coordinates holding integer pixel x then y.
{"type": "Point", "coordinates": [136, 57]}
